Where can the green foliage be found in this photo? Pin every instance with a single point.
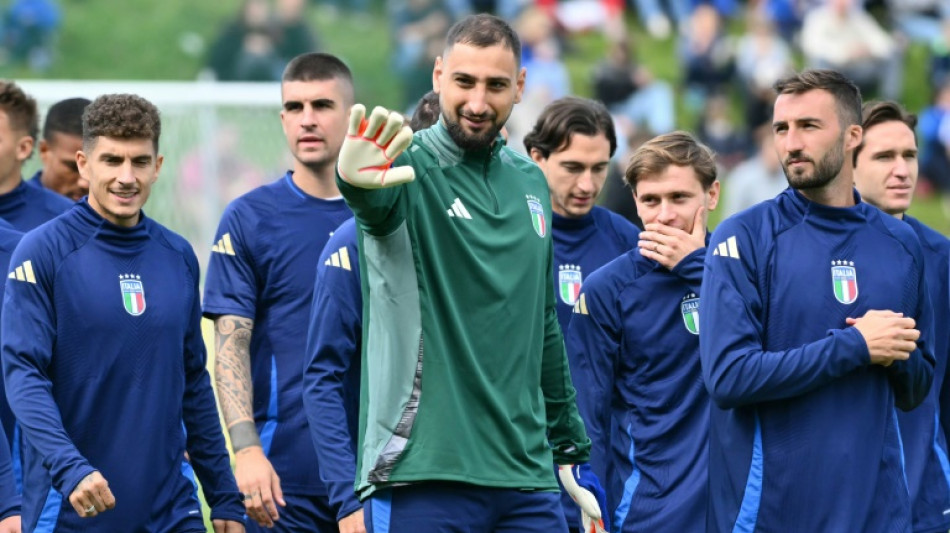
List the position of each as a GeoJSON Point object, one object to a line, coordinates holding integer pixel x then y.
{"type": "Point", "coordinates": [169, 40]}
{"type": "Point", "coordinates": [133, 40]}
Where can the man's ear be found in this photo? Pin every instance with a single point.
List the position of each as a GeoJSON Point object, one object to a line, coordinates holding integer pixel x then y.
{"type": "Point", "coordinates": [24, 147]}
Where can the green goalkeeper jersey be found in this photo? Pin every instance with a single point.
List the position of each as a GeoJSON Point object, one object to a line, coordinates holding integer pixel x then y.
{"type": "Point", "coordinates": [465, 377]}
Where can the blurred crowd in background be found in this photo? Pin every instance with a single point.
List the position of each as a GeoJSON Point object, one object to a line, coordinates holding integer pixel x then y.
{"type": "Point", "coordinates": [729, 53]}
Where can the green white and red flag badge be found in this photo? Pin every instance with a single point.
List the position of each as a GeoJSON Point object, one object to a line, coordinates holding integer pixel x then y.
{"type": "Point", "coordinates": [569, 281]}
{"type": "Point", "coordinates": [133, 293]}
{"type": "Point", "coordinates": [844, 279]}
{"type": "Point", "coordinates": [690, 309]}
{"type": "Point", "coordinates": [537, 215]}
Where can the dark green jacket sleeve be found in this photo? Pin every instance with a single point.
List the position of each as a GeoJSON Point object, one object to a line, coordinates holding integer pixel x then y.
{"type": "Point", "coordinates": [378, 211]}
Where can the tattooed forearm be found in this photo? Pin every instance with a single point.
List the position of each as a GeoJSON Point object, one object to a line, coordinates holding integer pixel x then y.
{"type": "Point", "coordinates": [232, 375]}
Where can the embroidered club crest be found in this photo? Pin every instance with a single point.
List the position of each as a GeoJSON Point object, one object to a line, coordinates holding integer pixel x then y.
{"type": "Point", "coordinates": [690, 309]}
{"type": "Point", "coordinates": [537, 215]}
{"type": "Point", "coordinates": [569, 281]}
{"type": "Point", "coordinates": [844, 278]}
{"type": "Point", "coordinates": [133, 293]}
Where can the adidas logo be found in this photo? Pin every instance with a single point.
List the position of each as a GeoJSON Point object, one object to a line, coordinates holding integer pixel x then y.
{"type": "Point", "coordinates": [339, 259]}
{"type": "Point", "coordinates": [223, 246]}
{"type": "Point", "coordinates": [581, 306]}
{"type": "Point", "coordinates": [728, 248]}
{"type": "Point", "coordinates": [458, 210]}
{"type": "Point", "coordinates": [23, 272]}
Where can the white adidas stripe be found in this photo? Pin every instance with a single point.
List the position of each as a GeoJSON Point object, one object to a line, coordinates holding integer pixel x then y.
{"type": "Point", "coordinates": [23, 272]}
{"type": "Point", "coordinates": [458, 210]}
{"type": "Point", "coordinates": [340, 259]}
{"type": "Point", "coordinates": [729, 248]}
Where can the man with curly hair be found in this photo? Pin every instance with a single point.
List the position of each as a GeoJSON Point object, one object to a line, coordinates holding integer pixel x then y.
{"type": "Point", "coordinates": [103, 356]}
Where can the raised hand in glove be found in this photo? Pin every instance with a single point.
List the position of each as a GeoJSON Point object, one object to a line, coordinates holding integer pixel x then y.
{"type": "Point", "coordinates": [582, 485]}
{"type": "Point", "coordinates": [370, 147]}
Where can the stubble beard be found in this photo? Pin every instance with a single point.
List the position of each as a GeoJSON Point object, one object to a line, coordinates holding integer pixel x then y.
{"type": "Point", "coordinates": [825, 170]}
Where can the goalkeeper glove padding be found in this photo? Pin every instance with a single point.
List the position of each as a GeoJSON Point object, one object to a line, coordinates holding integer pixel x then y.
{"type": "Point", "coordinates": [370, 147]}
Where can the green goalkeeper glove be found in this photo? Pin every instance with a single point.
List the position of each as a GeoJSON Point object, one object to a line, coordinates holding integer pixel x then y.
{"type": "Point", "coordinates": [370, 147]}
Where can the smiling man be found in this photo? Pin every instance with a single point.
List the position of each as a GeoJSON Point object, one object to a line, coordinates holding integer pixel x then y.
{"type": "Point", "coordinates": [816, 326]}
{"type": "Point", "coordinates": [466, 390]}
{"type": "Point", "coordinates": [258, 291]}
{"type": "Point", "coordinates": [885, 173]}
{"type": "Point", "coordinates": [103, 357]}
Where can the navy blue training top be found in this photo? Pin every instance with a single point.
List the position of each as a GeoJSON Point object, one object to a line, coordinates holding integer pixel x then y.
{"type": "Point", "coordinates": [332, 372]}
{"type": "Point", "coordinates": [634, 344]}
{"type": "Point", "coordinates": [26, 206]}
{"type": "Point", "coordinates": [104, 366]}
{"type": "Point", "coordinates": [804, 433]}
{"type": "Point", "coordinates": [263, 265]}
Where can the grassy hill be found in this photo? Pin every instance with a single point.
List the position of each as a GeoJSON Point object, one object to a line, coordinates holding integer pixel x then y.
{"type": "Point", "coordinates": [145, 40]}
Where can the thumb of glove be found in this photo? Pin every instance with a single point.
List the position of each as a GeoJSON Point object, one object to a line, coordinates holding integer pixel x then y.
{"type": "Point", "coordinates": [590, 525]}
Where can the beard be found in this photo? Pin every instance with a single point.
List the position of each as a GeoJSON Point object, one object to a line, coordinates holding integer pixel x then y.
{"type": "Point", "coordinates": [824, 172]}
{"type": "Point", "coordinates": [471, 141]}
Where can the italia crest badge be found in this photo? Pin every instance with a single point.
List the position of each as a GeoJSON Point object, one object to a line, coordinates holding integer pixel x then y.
{"type": "Point", "coordinates": [537, 215]}
{"type": "Point", "coordinates": [133, 293]}
{"type": "Point", "coordinates": [844, 279]}
{"type": "Point", "coordinates": [690, 309]}
{"type": "Point", "coordinates": [569, 281]}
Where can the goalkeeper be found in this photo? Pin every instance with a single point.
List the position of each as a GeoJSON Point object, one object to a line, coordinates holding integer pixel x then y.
{"type": "Point", "coordinates": [465, 384]}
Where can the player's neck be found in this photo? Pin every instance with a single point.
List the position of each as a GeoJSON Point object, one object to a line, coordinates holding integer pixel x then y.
{"type": "Point", "coordinates": [10, 181]}
{"type": "Point", "coordinates": [317, 182]}
{"type": "Point", "coordinates": [837, 193]}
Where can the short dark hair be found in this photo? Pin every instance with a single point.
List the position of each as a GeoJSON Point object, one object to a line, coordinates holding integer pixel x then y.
{"type": "Point", "coordinates": [426, 113]}
{"type": "Point", "coordinates": [846, 94]}
{"type": "Point", "coordinates": [120, 116]}
{"type": "Point", "coordinates": [564, 117]}
{"type": "Point", "coordinates": [20, 108]}
{"type": "Point", "coordinates": [319, 66]}
{"type": "Point", "coordinates": [677, 148]}
{"type": "Point", "coordinates": [65, 117]}
{"type": "Point", "coordinates": [879, 112]}
{"type": "Point", "coordinates": [482, 31]}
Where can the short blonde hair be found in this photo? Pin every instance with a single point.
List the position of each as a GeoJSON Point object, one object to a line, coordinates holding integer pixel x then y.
{"type": "Point", "coordinates": [678, 148]}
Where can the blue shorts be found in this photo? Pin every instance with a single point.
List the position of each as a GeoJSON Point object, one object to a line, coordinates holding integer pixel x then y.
{"type": "Point", "coordinates": [303, 514]}
{"type": "Point", "coordinates": [446, 507]}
